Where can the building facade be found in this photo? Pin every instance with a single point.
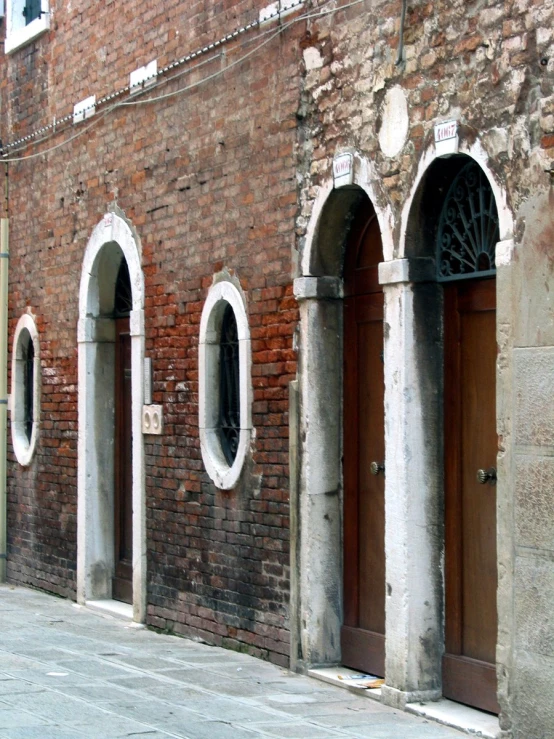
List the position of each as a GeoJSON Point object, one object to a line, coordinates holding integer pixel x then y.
{"type": "Point", "coordinates": [281, 331]}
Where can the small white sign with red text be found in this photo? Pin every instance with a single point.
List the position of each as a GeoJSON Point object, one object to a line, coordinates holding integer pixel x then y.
{"type": "Point", "coordinates": [343, 170]}
{"type": "Point", "coordinates": [446, 138]}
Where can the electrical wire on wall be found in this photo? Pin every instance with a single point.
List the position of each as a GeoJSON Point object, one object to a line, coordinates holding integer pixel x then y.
{"type": "Point", "coordinates": [138, 97]}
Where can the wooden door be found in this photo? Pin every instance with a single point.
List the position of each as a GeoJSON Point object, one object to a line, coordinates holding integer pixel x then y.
{"type": "Point", "coordinates": [469, 673]}
{"type": "Point", "coordinates": [363, 630]}
{"type": "Point", "coordinates": [123, 514]}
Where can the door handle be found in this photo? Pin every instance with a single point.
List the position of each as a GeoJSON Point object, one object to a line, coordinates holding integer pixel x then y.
{"type": "Point", "coordinates": [376, 467]}
{"type": "Point", "coordinates": [484, 476]}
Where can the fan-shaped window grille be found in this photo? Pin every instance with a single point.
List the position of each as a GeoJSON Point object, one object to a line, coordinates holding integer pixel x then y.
{"type": "Point", "coordinates": [468, 228]}
{"type": "Point", "coordinates": [229, 391]}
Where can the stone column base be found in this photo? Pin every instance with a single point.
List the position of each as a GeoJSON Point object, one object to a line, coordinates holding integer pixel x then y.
{"type": "Point", "coordinates": [399, 698]}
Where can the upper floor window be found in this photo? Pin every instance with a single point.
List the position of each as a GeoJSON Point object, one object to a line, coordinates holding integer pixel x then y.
{"type": "Point", "coordinates": [25, 395]}
{"type": "Point", "coordinates": [25, 20]}
{"type": "Point", "coordinates": [32, 10]}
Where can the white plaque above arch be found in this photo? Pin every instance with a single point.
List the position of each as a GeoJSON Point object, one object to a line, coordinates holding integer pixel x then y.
{"type": "Point", "coordinates": [343, 170]}
{"type": "Point", "coordinates": [446, 138]}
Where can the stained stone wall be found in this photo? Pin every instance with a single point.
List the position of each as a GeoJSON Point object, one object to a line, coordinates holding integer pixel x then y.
{"type": "Point", "coordinates": [533, 469]}
{"type": "Point", "coordinates": [489, 66]}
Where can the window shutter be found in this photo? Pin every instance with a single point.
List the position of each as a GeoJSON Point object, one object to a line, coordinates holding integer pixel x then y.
{"type": "Point", "coordinates": [32, 10]}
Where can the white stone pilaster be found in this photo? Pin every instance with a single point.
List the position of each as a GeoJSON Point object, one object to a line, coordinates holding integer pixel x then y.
{"type": "Point", "coordinates": [320, 582]}
{"type": "Point", "coordinates": [413, 483]}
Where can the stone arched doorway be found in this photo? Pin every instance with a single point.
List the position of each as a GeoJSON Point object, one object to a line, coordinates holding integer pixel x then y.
{"type": "Point", "coordinates": [445, 287]}
{"type": "Point", "coordinates": [111, 358]}
{"type": "Point", "coordinates": [338, 573]}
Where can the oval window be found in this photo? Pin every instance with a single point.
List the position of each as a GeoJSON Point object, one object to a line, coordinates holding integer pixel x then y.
{"type": "Point", "coordinates": [224, 384]}
{"type": "Point", "coordinates": [25, 389]}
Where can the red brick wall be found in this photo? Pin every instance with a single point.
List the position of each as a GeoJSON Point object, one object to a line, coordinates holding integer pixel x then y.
{"type": "Point", "coordinates": [207, 178]}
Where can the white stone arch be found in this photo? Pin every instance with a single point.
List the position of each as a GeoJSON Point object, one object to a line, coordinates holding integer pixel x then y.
{"type": "Point", "coordinates": [111, 240]}
{"type": "Point", "coordinates": [316, 432]}
{"type": "Point", "coordinates": [367, 180]}
{"type": "Point", "coordinates": [476, 151]}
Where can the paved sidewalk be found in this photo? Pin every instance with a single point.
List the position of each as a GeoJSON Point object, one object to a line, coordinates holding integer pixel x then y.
{"type": "Point", "coordinates": [68, 673]}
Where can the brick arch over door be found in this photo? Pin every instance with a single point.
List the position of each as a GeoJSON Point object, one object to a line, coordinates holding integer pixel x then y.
{"type": "Point", "coordinates": [112, 240]}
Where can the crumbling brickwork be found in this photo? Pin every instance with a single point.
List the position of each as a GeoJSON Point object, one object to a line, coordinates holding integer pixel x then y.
{"type": "Point", "coordinates": [207, 178]}
{"type": "Point", "coordinates": [487, 64]}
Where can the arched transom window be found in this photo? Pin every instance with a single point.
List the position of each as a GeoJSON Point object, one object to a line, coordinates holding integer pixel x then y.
{"type": "Point", "coordinates": [468, 227]}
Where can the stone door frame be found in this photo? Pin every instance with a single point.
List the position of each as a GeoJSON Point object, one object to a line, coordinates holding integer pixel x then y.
{"type": "Point", "coordinates": [414, 540]}
{"type": "Point", "coordinates": [316, 413]}
{"type": "Point", "coordinates": [112, 238]}
{"type": "Point", "coordinates": [412, 296]}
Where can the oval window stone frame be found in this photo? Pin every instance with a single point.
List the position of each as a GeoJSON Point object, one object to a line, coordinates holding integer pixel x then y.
{"type": "Point", "coordinates": [224, 291]}
{"type": "Point", "coordinates": [23, 447]}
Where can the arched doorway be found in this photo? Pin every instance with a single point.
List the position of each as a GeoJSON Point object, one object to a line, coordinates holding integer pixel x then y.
{"type": "Point", "coordinates": [111, 534]}
{"type": "Point", "coordinates": [122, 581]}
{"type": "Point", "coordinates": [363, 629]}
{"type": "Point", "coordinates": [337, 574]}
{"type": "Point", "coordinates": [466, 239]}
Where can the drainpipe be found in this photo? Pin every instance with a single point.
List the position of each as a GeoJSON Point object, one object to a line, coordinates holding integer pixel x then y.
{"type": "Point", "coordinates": [400, 55]}
{"type": "Point", "coordinates": [4, 255]}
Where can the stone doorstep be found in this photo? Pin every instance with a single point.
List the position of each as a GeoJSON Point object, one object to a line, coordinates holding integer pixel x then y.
{"type": "Point", "coordinates": [114, 608]}
{"type": "Point", "coordinates": [458, 716]}
{"type": "Point", "coordinates": [331, 675]}
{"type": "Point", "coordinates": [446, 712]}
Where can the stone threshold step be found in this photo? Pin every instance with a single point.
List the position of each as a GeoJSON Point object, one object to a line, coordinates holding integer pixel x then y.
{"type": "Point", "coordinates": [446, 712]}
{"type": "Point", "coordinates": [112, 607]}
{"type": "Point", "coordinates": [458, 716]}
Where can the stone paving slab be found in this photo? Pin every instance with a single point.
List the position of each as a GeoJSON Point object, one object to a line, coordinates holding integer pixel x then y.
{"type": "Point", "coordinates": [67, 672]}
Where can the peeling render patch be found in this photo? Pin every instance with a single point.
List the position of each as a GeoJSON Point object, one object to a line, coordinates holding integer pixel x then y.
{"type": "Point", "coordinates": [394, 122]}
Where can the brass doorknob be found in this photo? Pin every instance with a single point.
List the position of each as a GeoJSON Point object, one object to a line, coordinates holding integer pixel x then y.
{"type": "Point", "coordinates": [484, 476]}
{"type": "Point", "coordinates": [376, 467]}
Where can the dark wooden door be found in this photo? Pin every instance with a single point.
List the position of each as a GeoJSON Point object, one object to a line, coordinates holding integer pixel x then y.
{"type": "Point", "coordinates": [469, 673]}
{"type": "Point", "coordinates": [363, 630]}
{"type": "Point", "coordinates": [123, 514]}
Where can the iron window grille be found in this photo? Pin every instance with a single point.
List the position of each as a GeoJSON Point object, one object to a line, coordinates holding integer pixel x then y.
{"type": "Point", "coordinates": [28, 388]}
{"type": "Point", "coordinates": [468, 228]}
{"type": "Point", "coordinates": [229, 388]}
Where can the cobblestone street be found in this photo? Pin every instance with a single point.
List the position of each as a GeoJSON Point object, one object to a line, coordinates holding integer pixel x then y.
{"type": "Point", "coordinates": [67, 672]}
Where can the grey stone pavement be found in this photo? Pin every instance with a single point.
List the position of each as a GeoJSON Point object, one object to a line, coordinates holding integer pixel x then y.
{"type": "Point", "coordinates": [67, 673]}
